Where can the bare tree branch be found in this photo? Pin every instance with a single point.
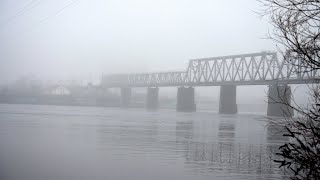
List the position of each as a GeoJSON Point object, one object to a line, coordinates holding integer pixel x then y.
{"type": "Point", "coordinates": [296, 26]}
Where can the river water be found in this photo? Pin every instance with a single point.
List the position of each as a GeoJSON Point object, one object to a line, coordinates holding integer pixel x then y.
{"type": "Point", "coordinates": [82, 143]}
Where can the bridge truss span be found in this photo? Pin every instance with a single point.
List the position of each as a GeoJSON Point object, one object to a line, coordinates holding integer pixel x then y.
{"type": "Point", "coordinates": [245, 69]}
{"type": "Point", "coordinates": [158, 79]}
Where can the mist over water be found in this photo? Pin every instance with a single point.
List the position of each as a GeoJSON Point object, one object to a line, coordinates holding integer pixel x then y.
{"type": "Point", "coordinates": [61, 142]}
{"type": "Point", "coordinates": [76, 78]}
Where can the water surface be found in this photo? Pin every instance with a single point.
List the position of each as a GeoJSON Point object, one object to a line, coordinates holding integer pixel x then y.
{"type": "Point", "coordinates": [60, 142]}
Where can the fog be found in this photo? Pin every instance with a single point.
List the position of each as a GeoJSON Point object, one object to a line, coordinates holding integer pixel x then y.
{"type": "Point", "coordinates": [69, 110]}
{"type": "Point", "coordinates": [81, 39]}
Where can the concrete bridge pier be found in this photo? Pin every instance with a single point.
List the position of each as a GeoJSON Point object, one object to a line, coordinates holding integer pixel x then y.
{"type": "Point", "coordinates": [278, 96]}
{"type": "Point", "coordinates": [125, 96]}
{"type": "Point", "coordinates": [152, 99]}
{"type": "Point", "coordinates": [228, 99]}
{"type": "Point", "coordinates": [185, 99]}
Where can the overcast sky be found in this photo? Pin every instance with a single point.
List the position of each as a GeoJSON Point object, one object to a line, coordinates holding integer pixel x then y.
{"type": "Point", "coordinates": [82, 39]}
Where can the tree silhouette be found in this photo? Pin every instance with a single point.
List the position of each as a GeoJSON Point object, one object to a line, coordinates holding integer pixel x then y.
{"type": "Point", "coordinates": [297, 31]}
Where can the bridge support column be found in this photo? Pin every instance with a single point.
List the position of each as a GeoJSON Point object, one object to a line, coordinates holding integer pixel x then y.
{"type": "Point", "coordinates": [278, 97]}
{"type": "Point", "coordinates": [152, 99]}
{"type": "Point", "coordinates": [228, 99]}
{"type": "Point", "coordinates": [125, 97]}
{"type": "Point", "coordinates": [185, 99]}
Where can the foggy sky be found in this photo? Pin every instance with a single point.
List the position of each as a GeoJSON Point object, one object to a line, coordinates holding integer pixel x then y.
{"type": "Point", "coordinates": [83, 39]}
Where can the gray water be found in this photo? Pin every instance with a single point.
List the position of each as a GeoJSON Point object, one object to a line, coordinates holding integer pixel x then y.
{"type": "Point", "coordinates": [82, 143]}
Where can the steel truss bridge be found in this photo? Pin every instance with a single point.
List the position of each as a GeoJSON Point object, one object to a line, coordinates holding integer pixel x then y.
{"type": "Point", "coordinates": [246, 69]}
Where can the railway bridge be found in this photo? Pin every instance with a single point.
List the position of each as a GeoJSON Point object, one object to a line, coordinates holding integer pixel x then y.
{"type": "Point", "coordinates": [228, 72]}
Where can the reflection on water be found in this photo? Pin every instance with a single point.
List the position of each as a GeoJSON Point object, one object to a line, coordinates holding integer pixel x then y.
{"type": "Point", "coordinates": [275, 134]}
{"type": "Point", "coordinates": [48, 142]}
{"type": "Point", "coordinates": [227, 156]}
{"type": "Point", "coordinates": [227, 129]}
